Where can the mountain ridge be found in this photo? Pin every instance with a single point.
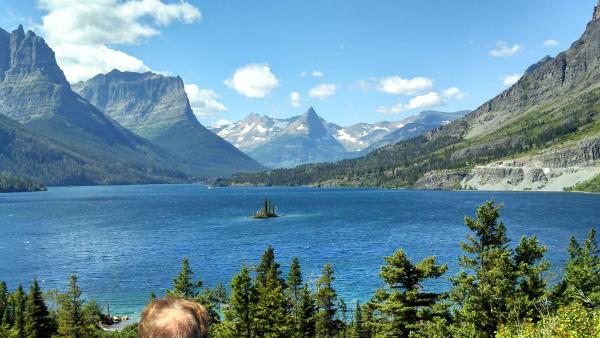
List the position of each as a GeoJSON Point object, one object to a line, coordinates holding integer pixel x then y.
{"type": "Point", "coordinates": [552, 112]}
{"type": "Point", "coordinates": [255, 134]}
{"type": "Point", "coordinates": [156, 107]}
{"type": "Point", "coordinates": [35, 93]}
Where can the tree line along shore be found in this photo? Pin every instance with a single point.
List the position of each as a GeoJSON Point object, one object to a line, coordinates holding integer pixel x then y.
{"type": "Point", "coordinates": [501, 290]}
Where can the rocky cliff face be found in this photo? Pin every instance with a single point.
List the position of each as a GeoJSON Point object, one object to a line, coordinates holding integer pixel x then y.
{"type": "Point", "coordinates": [145, 103]}
{"type": "Point", "coordinates": [550, 170]}
{"type": "Point", "coordinates": [35, 92]}
{"type": "Point", "coordinates": [156, 107]}
{"type": "Point", "coordinates": [576, 70]}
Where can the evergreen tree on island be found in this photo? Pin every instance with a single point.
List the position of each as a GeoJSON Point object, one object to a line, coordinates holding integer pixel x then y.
{"type": "Point", "coordinates": [267, 211]}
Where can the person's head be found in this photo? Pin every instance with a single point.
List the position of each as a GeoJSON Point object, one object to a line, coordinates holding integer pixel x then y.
{"type": "Point", "coordinates": [173, 318]}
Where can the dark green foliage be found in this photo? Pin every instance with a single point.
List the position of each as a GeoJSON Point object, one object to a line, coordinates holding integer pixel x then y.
{"type": "Point", "coordinates": [581, 280]}
{"type": "Point", "coordinates": [531, 286]}
{"type": "Point", "coordinates": [496, 286]}
{"type": "Point", "coordinates": [4, 301]}
{"type": "Point", "coordinates": [19, 304]}
{"type": "Point", "coordinates": [183, 285]}
{"type": "Point", "coordinates": [10, 183]}
{"type": "Point", "coordinates": [294, 282]}
{"type": "Point", "coordinates": [358, 325]}
{"type": "Point", "coordinates": [77, 318]}
{"type": "Point", "coordinates": [307, 310]}
{"type": "Point", "coordinates": [38, 323]}
{"type": "Point", "coordinates": [592, 185]}
{"type": "Point", "coordinates": [326, 324]}
{"type": "Point", "coordinates": [241, 304]}
{"type": "Point", "coordinates": [71, 320]}
{"type": "Point", "coordinates": [402, 308]}
{"type": "Point", "coordinates": [271, 315]}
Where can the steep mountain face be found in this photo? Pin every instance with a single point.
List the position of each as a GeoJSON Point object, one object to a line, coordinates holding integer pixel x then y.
{"type": "Point", "coordinates": [304, 140]}
{"type": "Point", "coordinates": [156, 107]}
{"type": "Point", "coordinates": [257, 134]}
{"type": "Point", "coordinates": [27, 154]}
{"type": "Point", "coordinates": [540, 134]}
{"type": "Point", "coordinates": [35, 92]}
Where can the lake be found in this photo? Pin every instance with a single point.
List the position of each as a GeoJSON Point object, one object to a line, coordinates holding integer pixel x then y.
{"type": "Point", "coordinates": [126, 241]}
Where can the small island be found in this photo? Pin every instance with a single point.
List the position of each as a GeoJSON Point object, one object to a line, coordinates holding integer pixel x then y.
{"type": "Point", "coordinates": [267, 211]}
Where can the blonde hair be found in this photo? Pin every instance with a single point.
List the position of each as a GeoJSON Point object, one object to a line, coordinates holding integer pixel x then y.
{"type": "Point", "coordinates": [173, 318]}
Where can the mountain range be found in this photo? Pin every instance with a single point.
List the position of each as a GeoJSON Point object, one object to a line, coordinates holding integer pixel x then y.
{"type": "Point", "coordinates": [542, 133]}
{"type": "Point", "coordinates": [139, 129]}
{"type": "Point", "coordinates": [157, 108]}
{"type": "Point", "coordinates": [309, 138]}
{"type": "Point", "coordinates": [35, 93]}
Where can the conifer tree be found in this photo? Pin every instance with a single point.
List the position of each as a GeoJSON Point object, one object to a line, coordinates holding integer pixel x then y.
{"type": "Point", "coordinates": [71, 321]}
{"type": "Point", "coordinates": [294, 280]}
{"type": "Point", "coordinates": [342, 318]}
{"type": "Point", "coordinates": [358, 329]}
{"type": "Point", "coordinates": [326, 296]}
{"type": "Point", "coordinates": [19, 301]}
{"type": "Point", "coordinates": [581, 281]}
{"type": "Point", "coordinates": [266, 262]}
{"type": "Point", "coordinates": [271, 315]}
{"type": "Point", "coordinates": [241, 304]}
{"type": "Point", "coordinates": [183, 285]}
{"type": "Point", "coordinates": [3, 300]}
{"type": "Point", "coordinates": [484, 289]}
{"type": "Point", "coordinates": [306, 314]}
{"type": "Point", "coordinates": [37, 319]}
{"type": "Point", "coordinates": [404, 309]}
{"type": "Point", "coordinates": [531, 286]}
{"type": "Point", "coordinates": [8, 315]}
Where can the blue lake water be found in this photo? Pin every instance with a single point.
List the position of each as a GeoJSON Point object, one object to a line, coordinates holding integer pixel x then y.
{"type": "Point", "coordinates": [125, 241]}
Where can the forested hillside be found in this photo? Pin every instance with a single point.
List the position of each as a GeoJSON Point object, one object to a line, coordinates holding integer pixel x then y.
{"type": "Point", "coordinates": [541, 133]}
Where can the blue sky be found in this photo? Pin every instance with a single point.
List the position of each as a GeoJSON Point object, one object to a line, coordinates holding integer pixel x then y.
{"type": "Point", "coordinates": [372, 60]}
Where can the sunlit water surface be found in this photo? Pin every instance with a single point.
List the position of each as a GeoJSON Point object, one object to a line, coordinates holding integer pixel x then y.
{"type": "Point", "coordinates": [126, 241]}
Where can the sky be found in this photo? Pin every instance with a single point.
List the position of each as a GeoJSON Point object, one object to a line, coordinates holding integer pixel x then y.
{"type": "Point", "coordinates": [352, 60]}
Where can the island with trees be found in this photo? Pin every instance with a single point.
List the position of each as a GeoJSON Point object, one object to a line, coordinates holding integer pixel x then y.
{"type": "Point", "coordinates": [267, 211]}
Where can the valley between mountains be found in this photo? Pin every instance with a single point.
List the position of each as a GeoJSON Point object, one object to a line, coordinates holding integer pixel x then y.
{"type": "Point", "coordinates": [542, 133]}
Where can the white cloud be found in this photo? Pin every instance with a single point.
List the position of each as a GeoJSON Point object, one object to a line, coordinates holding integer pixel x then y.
{"type": "Point", "coordinates": [429, 100]}
{"type": "Point", "coordinates": [454, 93]}
{"type": "Point", "coordinates": [323, 91]}
{"type": "Point", "coordinates": [204, 102]}
{"type": "Point", "coordinates": [509, 80]}
{"type": "Point", "coordinates": [220, 123]}
{"type": "Point", "coordinates": [314, 73]}
{"type": "Point", "coordinates": [253, 80]}
{"type": "Point", "coordinates": [550, 43]}
{"type": "Point", "coordinates": [81, 31]}
{"type": "Point", "coordinates": [295, 99]}
{"type": "Point", "coordinates": [397, 85]}
{"type": "Point", "coordinates": [503, 49]}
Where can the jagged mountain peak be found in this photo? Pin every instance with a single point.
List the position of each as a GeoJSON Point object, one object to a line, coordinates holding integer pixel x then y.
{"type": "Point", "coordinates": [27, 55]}
{"type": "Point", "coordinates": [309, 123]}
